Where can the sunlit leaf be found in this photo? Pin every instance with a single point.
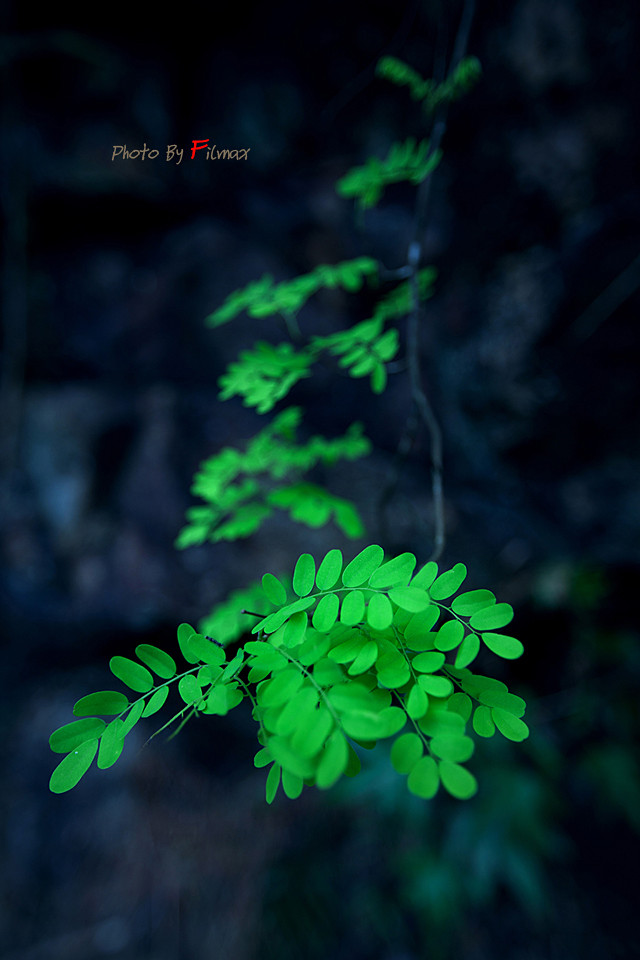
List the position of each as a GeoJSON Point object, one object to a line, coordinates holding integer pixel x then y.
{"type": "Point", "coordinates": [329, 570]}
{"type": "Point", "coordinates": [407, 749]}
{"type": "Point", "coordinates": [424, 779]}
{"type": "Point", "coordinates": [68, 737]}
{"type": "Point", "coordinates": [304, 575]}
{"type": "Point", "coordinates": [362, 566]}
{"type": "Point", "coordinates": [492, 618]}
{"type": "Point", "coordinates": [447, 583]}
{"type": "Point", "coordinates": [70, 770]}
{"type": "Point", "coordinates": [457, 781]}
{"type": "Point", "coordinates": [111, 744]}
{"type": "Point", "coordinates": [133, 674]}
{"type": "Point", "coordinates": [508, 647]}
{"type": "Point", "coordinates": [157, 660]}
{"type": "Point", "coordinates": [105, 703]}
{"type": "Point", "coordinates": [274, 590]}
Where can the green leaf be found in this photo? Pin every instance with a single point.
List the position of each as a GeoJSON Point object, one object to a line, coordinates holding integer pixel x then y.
{"type": "Point", "coordinates": [417, 703]}
{"type": "Point", "coordinates": [472, 601]}
{"type": "Point", "coordinates": [428, 662]}
{"type": "Point", "coordinates": [292, 785]}
{"type": "Point", "coordinates": [510, 726]}
{"type": "Point", "coordinates": [278, 690]}
{"type": "Point", "coordinates": [363, 725]}
{"type": "Point", "coordinates": [447, 583]}
{"type": "Point", "coordinates": [411, 598]}
{"type": "Point", "coordinates": [483, 723]}
{"type": "Point", "coordinates": [329, 570]}
{"type": "Point", "coordinates": [131, 673]}
{"type": "Point", "coordinates": [326, 673]}
{"type": "Point", "coordinates": [160, 662]}
{"type": "Point", "coordinates": [349, 649]}
{"type": "Point", "coordinates": [435, 686]}
{"type": "Point", "coordinates": [189, 689]}
{"type": "Point", "coordinates": [365, 659]}
{"type": "Point", "coordinates": [288, 758]}
{"type": "Point", "coordinates": [426, 575]}
{"type": "Point", "coordinates": [262, 758]}
{"type": "Point", "coordinates": [111, 744]}
{"type": "Point", "coordinates": [393, 670]}
{"type": "Point", "coordinates": [70, 770]}
{"type": "Point", "coordinates": [406, 751]}
{"type": "Point", "coordinates": [333, 761]}
{"type": "Point", "coordinates": [275, 620]}
{"type": "Point", "coordinates": [304, 575]}
{"type": "Point", "coordinates": [71, 735]}
{"type": "Point", "coordinates": [492, 618]}
{"type": "Point", "coordinates": [461, 704]}
{"type": "Point", "coordinates": [206, 651]}
{"type": "Point", "coordinates": [394, 573]}
{"type": "Point", "coordinates": [503, 700]}
{"type": "Point", "coordinates": [457, 781]}
{"type": "Point", "coordinates": [106, 702]}
{"type": "Point", "coordinates": [185, 632]}
{"type": "Point", "coordinates": [352, 611]}
{"type": "Point", "coordinates": [449, 635]}
{"type": "Point", "coordinates": [379, 612]}
{"type": "Point", "coordinates": [362, 566]}
{"type": "Point", "coordinates": [156, 701]}
{"type": "Point", "coordinates": [326, 613]}
{"type": "Point", "coordinates": [273, 782]}
{"type": "Point", "coordinates": [503, 646]}
{"type": "Point", "coordinates": [452, 747]}
{"type": "Point", "coordinates": [133, 716]}
{"type": "Point", "coordinates": [312, 732]}
{"type": "Point", "coordinates": [299, 709]}
{"type": "Point", "coordinates": [468, 650]}
{"type": "Point", "coordinates": [295, 629]}
{"type": "Point", "coordinates": [274, 590]}
{"type": "Point", "coordinates": [424, 779]}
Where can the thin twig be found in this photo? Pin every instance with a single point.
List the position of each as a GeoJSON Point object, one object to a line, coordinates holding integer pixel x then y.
{"type": "Point", "coordinates": [418, 394]}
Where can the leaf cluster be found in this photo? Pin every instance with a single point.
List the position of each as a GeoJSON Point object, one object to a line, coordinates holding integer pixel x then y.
{"type": "Point", "coordinates": [348, 656]}
{"type": "Point", "coordinates": [241, 489]}
{"type": "Point", "coordinates": [431, 94]}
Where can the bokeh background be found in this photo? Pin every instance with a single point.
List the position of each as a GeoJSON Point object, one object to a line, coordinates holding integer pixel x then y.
{"type": "Point", "coordinates": [530, 353]}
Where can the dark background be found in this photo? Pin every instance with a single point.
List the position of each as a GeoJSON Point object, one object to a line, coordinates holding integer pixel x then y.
{"type": "Point", "coordinates": [109, 403]}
